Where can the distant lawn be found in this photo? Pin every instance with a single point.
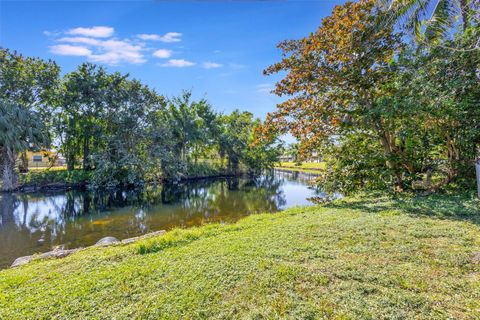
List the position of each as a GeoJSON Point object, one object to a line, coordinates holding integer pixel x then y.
{"type": "Point", "coordinates": [313, 167]}
{"type": "Point", "coordinates": [55, 168]}
{"type": "Point", "coordinates": [365, 258]}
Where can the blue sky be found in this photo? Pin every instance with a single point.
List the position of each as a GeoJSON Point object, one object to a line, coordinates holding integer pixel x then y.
{"type": "Point", "coordinates": [216, 48]}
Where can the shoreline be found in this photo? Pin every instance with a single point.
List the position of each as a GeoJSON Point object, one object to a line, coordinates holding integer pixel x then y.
{"type": "Point", "coordinates": [66, 186]}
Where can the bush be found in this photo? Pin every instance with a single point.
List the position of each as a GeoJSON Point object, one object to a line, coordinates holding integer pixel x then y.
{"type": "Point", "coordinates": [55, 176]}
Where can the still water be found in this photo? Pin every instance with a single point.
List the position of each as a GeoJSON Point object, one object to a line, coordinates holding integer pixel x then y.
{"type": "Point", "coordinates": [37, 222]}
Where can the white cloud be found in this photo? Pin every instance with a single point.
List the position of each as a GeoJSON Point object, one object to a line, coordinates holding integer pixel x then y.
{"type": "Point", "coordinates": [237, 66]}
{"type": "Point", "coordinates": [84, 40]}
{"type": "Point", "coordinates": [178, 63]}
{"type": "Point", "coordinates": [167, 37]}
{"type": "Point", "coordinates": [171, 37]}
{"type": "Point", "coordinates": [110, 51]}
{"type": "Point", "coordinates": [68, 50]}
{"type": "Point", "coordinates": [146, 37]}
{"type": "Point", "coordinates": [211, 65]}
{"type": "Point", "coordinates": [264, 87]}
{"type": "Point", "coordinates": [96, 32]}
{"type": "Point", "coordinates": [163, 53]}
{"type": "Point", "coordinates": [115, 51]}
{"type": "Point", "coordinates": [51, 33]}
{"type": "Point", "coordinates": [97, 44]}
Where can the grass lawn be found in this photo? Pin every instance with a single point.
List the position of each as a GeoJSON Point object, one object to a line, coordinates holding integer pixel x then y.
{"type": "Point", "coordinates": [363, 258]}
{"type": "Point", "coordinates": [312, 167]}
{"type": "Point", "coordinates": [55, 168]}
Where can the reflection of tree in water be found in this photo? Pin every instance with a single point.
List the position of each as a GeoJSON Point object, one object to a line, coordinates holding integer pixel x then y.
{"type": "Point", "coordinates": [233, 197]}
{"type": "Point", "coordinates": [14, 214]}
{"type": "Point", "coordinates": [8, 204]}
{"type": "Point", "coordinates": [62, 217]}
{"type": "Point", "coordinates": [20, 228]}
{"type": "Point", "coordinates": [296, 176]}
{"type": "Point", "coordinates": [206, 197]}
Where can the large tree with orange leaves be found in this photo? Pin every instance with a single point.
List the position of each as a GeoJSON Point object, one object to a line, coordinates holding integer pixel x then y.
{"type": "Point", "coordinates": [335, 77]}
{"type": "Point", "coordinates": [385, 115]}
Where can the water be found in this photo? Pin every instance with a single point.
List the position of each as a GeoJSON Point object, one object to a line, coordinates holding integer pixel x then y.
{"type": "Point", "coordinates": [34, 223]}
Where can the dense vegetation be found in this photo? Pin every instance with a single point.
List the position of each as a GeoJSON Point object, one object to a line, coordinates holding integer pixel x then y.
{"type": "Point", "coordinates": [373, 258]}
{"type": "Point", "coordinates": [117, 129]}
{"type": "Point", "coordinates": [385, 112]}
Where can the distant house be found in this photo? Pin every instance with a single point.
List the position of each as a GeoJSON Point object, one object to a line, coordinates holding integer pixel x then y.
{"type": "Point", "coordinates": [314, 157]}
{"type": "Point", "coordinates": [286, 158]}
{"type": "Point", "coordinates": [44, 159]}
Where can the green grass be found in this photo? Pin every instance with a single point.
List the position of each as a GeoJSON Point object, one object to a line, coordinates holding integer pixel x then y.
{"type": "Point", "coordinates": [309, 167]}
{"type": "Point", "coordinates": [55, 168]}
{"type": "Point", "coordinates": [359, 258]}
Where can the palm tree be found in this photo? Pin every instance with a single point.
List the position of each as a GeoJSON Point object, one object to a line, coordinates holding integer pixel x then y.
{"type": "Point", "coordinates": [20, 129]}
{"type": "Point", "coordinates": [433, 20]}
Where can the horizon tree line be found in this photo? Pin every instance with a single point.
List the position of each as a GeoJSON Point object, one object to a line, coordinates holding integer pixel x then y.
{"type": "Point", "coordinates": [119, 130]}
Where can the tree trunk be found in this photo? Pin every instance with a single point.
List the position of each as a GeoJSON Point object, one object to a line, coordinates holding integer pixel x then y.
{"type": "Point", "coordinates": [8, 170]}
{"type": "Point", "coordinates": [70, 159]}
{"type": "Point", "coordinates": [464, 8]}
{"type": "Point", "coordinates": [8, 204]}
{"type": "Point", "coordinates": [388, 149]}
{"type": "Point", "coordinates": [70, 144]}
{"type": "Point", "coordinates": [477, 167]}
{"type": "Point", "coordinates": [86, 153]}
{"type": "Point", "coordinates": [23, 166]}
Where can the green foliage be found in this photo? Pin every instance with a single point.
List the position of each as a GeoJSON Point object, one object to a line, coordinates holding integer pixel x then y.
{"type": "Point", "coordinates": [194, 125]}
{"type": "Point", "coordinates": [385, 114]}
{"type": "Point", "coordinates": [236, 142]}
{"type": "Point", "coordinates": [20, 129]}
{"type": "Point", "coordinates": [118, 129]}
{"type": "Point", "coordinates": [123, 156]}
{"type": "Point", "coordinates": [206, 168]}
{"type": "Point", "coordinates": [44, 177]}
{"type": "Point", "coordinates": [27, 86]}
{"type": "Point", "coordinates": [355, 163]}
{"type": "Point", "coordinates": [433, 21]}
{"type": "Point", "coordinates": [351, 259]}
{"type": "Point", "coordinates": [30, 82]}
{"type": "Point", "coordinates": [87, 95]}
{"type": "Point", "coordinates": [127, 134]}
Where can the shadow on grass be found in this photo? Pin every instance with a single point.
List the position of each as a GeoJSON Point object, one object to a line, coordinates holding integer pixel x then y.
{"type": "Point", "coordinates": [464, 207]}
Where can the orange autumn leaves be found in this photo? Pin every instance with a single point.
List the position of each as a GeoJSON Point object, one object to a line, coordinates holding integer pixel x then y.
{"type": "Point", "coordinates": [331, 74]}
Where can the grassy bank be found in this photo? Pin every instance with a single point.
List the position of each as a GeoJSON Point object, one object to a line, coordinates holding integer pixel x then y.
{"type": "Point", "coordinates": [356, 258]}
{"type": "Point", "coordinates": [309, 167]}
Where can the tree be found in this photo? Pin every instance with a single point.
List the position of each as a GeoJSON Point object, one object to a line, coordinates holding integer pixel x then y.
{"type": "Point", "coordinates": [445, 85]}
{"type": "Point", "coordinates": [237, 143]}
{"type": "Point", "coordinates": [336, 77]}
{"type": "Point", "coordinates": [84, 98]}
{"type": "Point", "coordinates": [20, 129]}
{"type": "Point", "coordinates": [126, 154]}
{"type": "Point", "coordinates": [162, 147]}
{"type": "Point", "coordinates": [433, 27]}
{"type": "Point", "coordinates": [193, 125]}
{"type": "Point", "coordinates": [432, 20]}
{"type": "Point", "coordinates": [383, 113]}
{"type": "Point", "coordinates": [31, 83]}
